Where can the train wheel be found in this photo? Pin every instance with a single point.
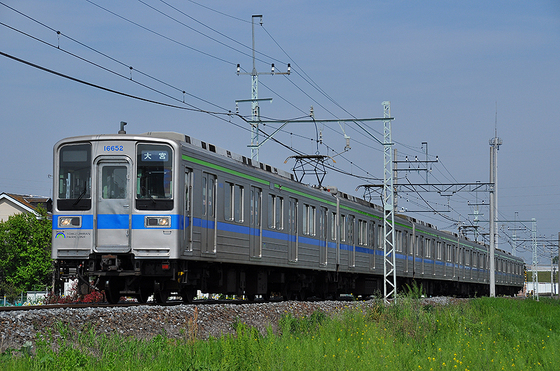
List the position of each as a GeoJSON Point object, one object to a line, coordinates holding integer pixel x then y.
{"type": "Point", "coordinates": [112, 291]}
{"type": "Point", "coordinates": [188, 295]}
{"type": "Point", "coordinates": [143, 294]}
{"type": "Point", "coordinates": [161, 296]}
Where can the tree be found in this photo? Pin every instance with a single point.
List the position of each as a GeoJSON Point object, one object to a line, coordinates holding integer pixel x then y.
{"type": "Point", "coordinates": [25, 252]}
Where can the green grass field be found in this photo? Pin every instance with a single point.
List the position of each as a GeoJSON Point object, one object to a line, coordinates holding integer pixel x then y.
{"type": "Point", "coordinates": [479, 334]}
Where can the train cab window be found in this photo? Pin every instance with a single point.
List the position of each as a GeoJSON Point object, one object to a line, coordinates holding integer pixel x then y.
{"type": "Point", "coordinates": [154, 182]}
{"type": "Point", "coordinates": [74, 177]}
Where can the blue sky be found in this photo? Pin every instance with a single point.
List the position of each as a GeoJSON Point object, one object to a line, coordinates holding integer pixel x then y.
{"type": "Point", "coordinates": [444, 65]}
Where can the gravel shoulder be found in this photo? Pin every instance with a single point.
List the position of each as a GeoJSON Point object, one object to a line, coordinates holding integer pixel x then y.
{"type": "Point", "coordinates": [145, 322]}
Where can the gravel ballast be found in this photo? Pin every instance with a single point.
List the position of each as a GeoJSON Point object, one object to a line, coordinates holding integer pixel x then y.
{"type": "Point", "coordinates": [145, 322]}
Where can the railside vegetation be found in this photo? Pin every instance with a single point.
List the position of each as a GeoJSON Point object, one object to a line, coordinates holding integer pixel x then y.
{"type": "Point", "coordinates": [477, 334]}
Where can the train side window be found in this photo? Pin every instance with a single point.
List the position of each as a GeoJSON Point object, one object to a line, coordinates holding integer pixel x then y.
{"type": "Point", "coordinates": [398, 242]}
{"type": "Point", "coordinates": [380, 234]}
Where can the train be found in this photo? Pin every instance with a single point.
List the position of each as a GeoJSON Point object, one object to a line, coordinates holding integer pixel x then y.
{"type": "Point", "coordinates": [164, 214]}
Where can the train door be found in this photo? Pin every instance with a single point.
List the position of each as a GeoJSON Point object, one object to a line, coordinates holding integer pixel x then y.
{"type": "Point", "coordinates": [187, 212]}
{"type": "Point", "coordinates": [351, 245]}
{"type": "Point", "coordinates": [323, 230]}
{"type": "Point", "coordinates": [292, 230]}
{"type": "Point", "coordinates": [209, 223]}
{"type": "Point", "coordinates": [255, 230]}
{"type": "Point", "coordinates": [112, 205]}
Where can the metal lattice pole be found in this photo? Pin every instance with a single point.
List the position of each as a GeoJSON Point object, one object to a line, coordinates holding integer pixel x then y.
{"type": "Point", "coordinates": [389, 271]}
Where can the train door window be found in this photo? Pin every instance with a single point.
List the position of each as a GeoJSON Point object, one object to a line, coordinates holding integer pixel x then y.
{"type": "Point", "coordinates": [398, 242]}
{"type": "Point", "coordinates": [113, 182]}
{"type": "Point", "coordinates": [309, 216]}
{"type": "Point", "coordinates": [371, 235]}
{"type": "Point", "coordinates": [323, 234]}
{"type": "Point", "coordinates": [351, 241]}
{"type": "Point", "coordinates": [351, 229]}
{"type": "Point", "coordinates": [208, 195]}
{"type": "Point", "coordinates": [429, 247]}
{"type": "Point", "coordinates": [275, 212]}
{"type": "Point", "coordinates": [342, 227]}
{"type": "Point", "coordinates": [438, 250]}
{"type": "Point", "coordinates": [238, 195]}
{"type": "Point", "coordinates": [270, 207]}
{"type": "Point", "coordinates": [362, 232]}
{"type": "Point", "coordinates": [204, 195]}
{"type": "Point", "coordinates": [380, 234]}
{"type": "Point", "coordinates": [292, 228]}
{"type": "Point", "coordinates": [187, 217]}
{"type": "Point", "coordinates": [228, 201]}
{"type": "Point", "coordinates": [333, 226]}
{"type": "Point", "coordinates": [255, 243]}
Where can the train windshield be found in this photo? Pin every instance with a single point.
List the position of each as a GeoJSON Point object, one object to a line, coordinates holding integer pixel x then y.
{"type": "Point", "coordinates": [74, 177]}
{"type": "Point", "coordinates": [154, 185]}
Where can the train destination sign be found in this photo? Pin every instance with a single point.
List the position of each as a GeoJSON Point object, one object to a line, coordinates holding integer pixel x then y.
{"type": "Point", "coordinates": [155, 155]}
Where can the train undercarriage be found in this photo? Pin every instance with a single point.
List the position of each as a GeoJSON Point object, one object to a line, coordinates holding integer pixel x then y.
{"type": "Point", "coordinates": [120, 275]}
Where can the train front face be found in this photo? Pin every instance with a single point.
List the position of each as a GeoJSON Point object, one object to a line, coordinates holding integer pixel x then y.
{"type": "Point", "coordinates": [115, 211]}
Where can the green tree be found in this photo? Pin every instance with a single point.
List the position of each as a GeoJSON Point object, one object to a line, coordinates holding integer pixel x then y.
{"type": "Point", "coordinates": [25, 252]}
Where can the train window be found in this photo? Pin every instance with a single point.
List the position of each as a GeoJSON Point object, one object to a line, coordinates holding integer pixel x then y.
{"type": "Point", "coordinates": [74, 177]}
{"type": "Point", "coordinates": [343, 227]}
{"type": "Point", "coordinates": [351, 229]}
{"type": "Point", "coordinates": [429, 247]}
{"type": "Point", "coordinates": [113, 182]}
{"type": "Point", "coordinates": [333, 226]}
{"type": "Point", "coordinates": [238, 194]}
{"type": "Point", "coordinates": [438, 252]}
{"type": "Point", "coordinates": [380, 234]}
{"type": "Point", "coordinates": [398, 242]}
{"type": "Point", "coordinates": [275, 212]}
{"type": "Point", "coordinates": [362, 232]}
{"type": "Point", "coordinates": [372, 235]}
{"type": "Point", "coordinates": [228, 201]}
{"type": "Point", "coordinates": [309, 220]}
{"type": "Point", "coordinates": [154, 182]}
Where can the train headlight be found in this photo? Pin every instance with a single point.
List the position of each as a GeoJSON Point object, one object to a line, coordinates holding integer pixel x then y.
{"type": "Point", "coordinates": [158, 221]}
{"type": "Point", "coordinates": [69, 222]}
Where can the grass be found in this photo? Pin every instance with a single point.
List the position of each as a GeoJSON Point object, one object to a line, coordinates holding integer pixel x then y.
{"type": "Point", "coordinates": [480, 334]}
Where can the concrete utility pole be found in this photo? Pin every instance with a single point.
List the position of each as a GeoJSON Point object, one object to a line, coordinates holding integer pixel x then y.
{"type": "Point", "coordinates": [494, 146]}
{"type": "Point", "coordinates": [535, 260]}
{"type": "Point", "coordinates": [255, 111]}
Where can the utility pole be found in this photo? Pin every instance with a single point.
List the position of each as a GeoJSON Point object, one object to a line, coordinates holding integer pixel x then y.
{"type": "Point", "coordinates": [494, 146]}
{"type": "Point", "coordinates": [255, 111]}
{"type": "Point", "coordinates": [535, 260]}
{"type": "Point", "coordinates": [389, 266]}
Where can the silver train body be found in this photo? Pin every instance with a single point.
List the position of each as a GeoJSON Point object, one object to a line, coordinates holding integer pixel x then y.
{"type": "Point", "coordinates": [163, 213]}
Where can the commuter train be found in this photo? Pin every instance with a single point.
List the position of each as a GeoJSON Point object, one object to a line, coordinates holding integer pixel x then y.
{"type": "Point", "coordinates": [164, 214]}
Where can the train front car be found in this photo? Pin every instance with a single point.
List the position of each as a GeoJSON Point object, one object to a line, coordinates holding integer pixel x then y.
{"type": "Point", "coordinates": [116, 224]}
